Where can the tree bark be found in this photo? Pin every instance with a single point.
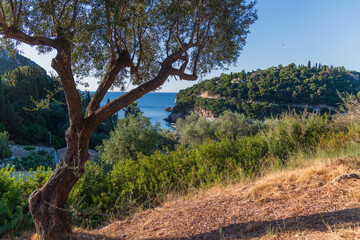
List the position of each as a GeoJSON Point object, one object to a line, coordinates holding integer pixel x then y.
{"type": "Point", "coordinates": [47, 205]}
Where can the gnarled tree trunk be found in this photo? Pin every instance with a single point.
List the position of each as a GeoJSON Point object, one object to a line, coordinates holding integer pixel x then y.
{"type": "Point", "coordinates": [47, 205]}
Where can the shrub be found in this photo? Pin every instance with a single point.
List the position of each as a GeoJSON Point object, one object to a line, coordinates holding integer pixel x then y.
{"type": "Point", "coordinates": [195, 129]}
{"type": "Point", "coordinates": [132, 134]}
{"type": "Point", "coordinates": [14, 194]}
{"type": "Point", "coordinates": [35, 160]}
{"type": "Point", "coordinates": [29, 148]}
{"type": "Point", "coordinates": [144, 182]}
{"type": "Point", "coordinates": [5, 151]}
{"type": "Point", "coordinates": [89, 197]}
{"type": "Point", "coordinates": [293, 132]}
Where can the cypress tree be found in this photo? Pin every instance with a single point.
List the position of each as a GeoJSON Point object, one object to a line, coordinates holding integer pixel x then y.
{"type": "Point", "coordinates": [2, 102]}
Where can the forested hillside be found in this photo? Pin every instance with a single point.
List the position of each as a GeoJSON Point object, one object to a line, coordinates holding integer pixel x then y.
{"type": "Point", "coordinates": [22, 83]}
{"type": "Point", "coordinates": [9, 62]}
{"type": "Point", "coordinates": [263, 93]}
{"type": "Point", "coordinates": [18, 90]}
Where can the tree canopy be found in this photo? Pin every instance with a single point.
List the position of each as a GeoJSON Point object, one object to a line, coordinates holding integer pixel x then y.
{"type": "Point", "coordinates": [139, 41]}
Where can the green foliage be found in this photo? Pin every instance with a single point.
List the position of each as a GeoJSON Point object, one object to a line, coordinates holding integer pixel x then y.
{"type": "Point", "coordinates": [144, 182]}
{"type": "Point", "coordinates": [244, 153]}
{"type": "Point", "coordinates": [265, 93]}
{"type": "Point", "coordinates": [131, 135]}
{"type": "Point", "coordinates": [5, 151]}
{"type": "Point", "coordinates": [14, 192]}
{"type": "Point", "coordinates": [133, 109]}
{"type": "Point", "coordinates": [33, 161]}
{"type": "Point", "coordinates": [11, 206]}
{"type": "Point", "coordinates": [28, 148]}
{"type": "Point", "coordinates": [19, 89]}
{"type": "Point", "coordinates": [89, 197]}
{"type": "Point", "coordinates": [21, 92]}
{"type": "Point", "coordinates": [195, 129]}
{"type": "Point", "coordinates": [294, 132]}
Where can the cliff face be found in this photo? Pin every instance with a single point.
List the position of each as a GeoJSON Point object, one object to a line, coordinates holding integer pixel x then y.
{"type": "Point", "coordinates": [204, 113]}
{"type": "Point", "coordinates": [174, 116]}
{"type": "Point", "coordinates": [209, 96]}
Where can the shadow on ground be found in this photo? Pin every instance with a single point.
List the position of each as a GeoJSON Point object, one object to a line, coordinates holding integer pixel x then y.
{"type": "Point", "coordinates": [321, 222]}
{"type": "Point", "coordinates": [90, 236]}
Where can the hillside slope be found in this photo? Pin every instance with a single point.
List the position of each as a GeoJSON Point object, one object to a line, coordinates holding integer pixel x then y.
{"type": "Point", "coordinates": [264, 93]}
{"type": "Point", "coordinates": [302, 204]}
{"type": "Point", "coordinates": [7, 63]}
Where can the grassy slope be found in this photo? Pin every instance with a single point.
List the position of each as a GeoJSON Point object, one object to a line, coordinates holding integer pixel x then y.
{"type": "Point", "coordinates": [302, 203]}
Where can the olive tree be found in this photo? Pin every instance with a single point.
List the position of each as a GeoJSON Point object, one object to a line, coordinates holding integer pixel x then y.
{"type": "Point", "coordinates": [143, 42]}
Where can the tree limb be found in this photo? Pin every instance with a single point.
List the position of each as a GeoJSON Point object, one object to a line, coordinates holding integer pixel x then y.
{"type": "Point", "coordinates": [62, 64]}
{"type": "Point", "coordinates": [18, 15]}
{"type": "Point", "coordinates": [115, 66]}
{"type": "Point", "coordinates": [124, 100]}
{"type": "Point", "coordinates": [2, 20]}
{"type": "Point", "coordinates": [182, 75]}
{"type": "Point", "coordinates": [74, 16]}
{"type": "Point", "coordinates": [12, 32]}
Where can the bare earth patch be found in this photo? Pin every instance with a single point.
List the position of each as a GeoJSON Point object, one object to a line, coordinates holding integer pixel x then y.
{"type": "Point", "coordinates": [302, 204]}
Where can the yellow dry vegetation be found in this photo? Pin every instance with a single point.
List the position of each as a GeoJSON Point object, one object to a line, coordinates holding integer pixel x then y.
{"type": "Point", "coordinates": [296, 204]}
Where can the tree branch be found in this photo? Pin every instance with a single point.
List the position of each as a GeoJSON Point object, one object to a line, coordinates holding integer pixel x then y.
{"type": "Point", "coordinates": [122, 61]}
{"type": "Point", "coordinates": [63, 9]}
{"type": "Point", "coordinates": [53, 14]}
{"type": "Point", "coordinates": [182, 75]}
{"type": "Point", "coordinates": [12, 32]}
{"type": "Point", "coordinates": [124, 100]}
{"type": "Point", "coordinates": [18, 15]}
{"type": "Point", "coordinates": [2, 20]}
{"type": "Point", "coordinates": [73, 19]}
{"type": "Point", "coordinates": [62, 64]}
{"type": "Point", "coordinates": [195, 24]}
{"type": "Point", "coordinates": [109, 31]}
{"type": "Point", "coordinates": [168, 40]}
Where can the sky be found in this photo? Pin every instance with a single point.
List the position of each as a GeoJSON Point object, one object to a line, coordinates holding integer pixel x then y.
{"type": "Point", "coordinates": [287, 31]}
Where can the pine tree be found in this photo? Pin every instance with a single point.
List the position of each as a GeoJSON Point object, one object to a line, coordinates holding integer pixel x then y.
{"type": "Point", "coordinates": [309, 64]}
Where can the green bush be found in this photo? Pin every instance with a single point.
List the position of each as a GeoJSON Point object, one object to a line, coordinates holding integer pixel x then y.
{"type": "Point", "coordinates": [89, 197]}
{"type": "Point", "coordinates": [34, 160]}
{"type": "Point", "coordinates": [195, 129]}
{"type": "Point", "coordinates": [293, 132]}
{"type": "Point", "coordinates": [144, 182]}
{"type": "Point", "coordinates": [5, 151]}
{"type": "Point", "coordinates": [132, 134]}
{"type": "Point", "coordinates": [29, 148]}
{"type": "Point", "coordinates": [14, 194]}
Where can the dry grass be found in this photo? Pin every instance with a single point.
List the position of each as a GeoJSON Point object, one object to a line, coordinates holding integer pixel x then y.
{"type": "Point", "coordinates": [297, 204]}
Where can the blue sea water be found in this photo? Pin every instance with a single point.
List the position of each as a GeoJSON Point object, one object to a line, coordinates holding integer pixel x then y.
{"type": "Point", "coordinates": [152, 105]}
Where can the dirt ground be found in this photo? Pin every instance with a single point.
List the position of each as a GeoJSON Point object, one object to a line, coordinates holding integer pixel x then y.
{"type": "Point", "coordinates": [302, 204]}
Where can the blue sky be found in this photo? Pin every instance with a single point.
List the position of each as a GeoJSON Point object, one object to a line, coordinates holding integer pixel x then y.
{"type": "Point", "coordinates": [287, 31]}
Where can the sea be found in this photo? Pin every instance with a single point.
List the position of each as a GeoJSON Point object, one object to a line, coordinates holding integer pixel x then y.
{"type": "Point", "coordinates": [152, 105]}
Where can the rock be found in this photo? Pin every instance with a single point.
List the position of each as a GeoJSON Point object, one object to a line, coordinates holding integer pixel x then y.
{"type": "Point", "coordinates": [169, 109]}
{"type": "Point", "coordinates": [345, 176]}
{"type": "Point", "coordinates": [175, 115]}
